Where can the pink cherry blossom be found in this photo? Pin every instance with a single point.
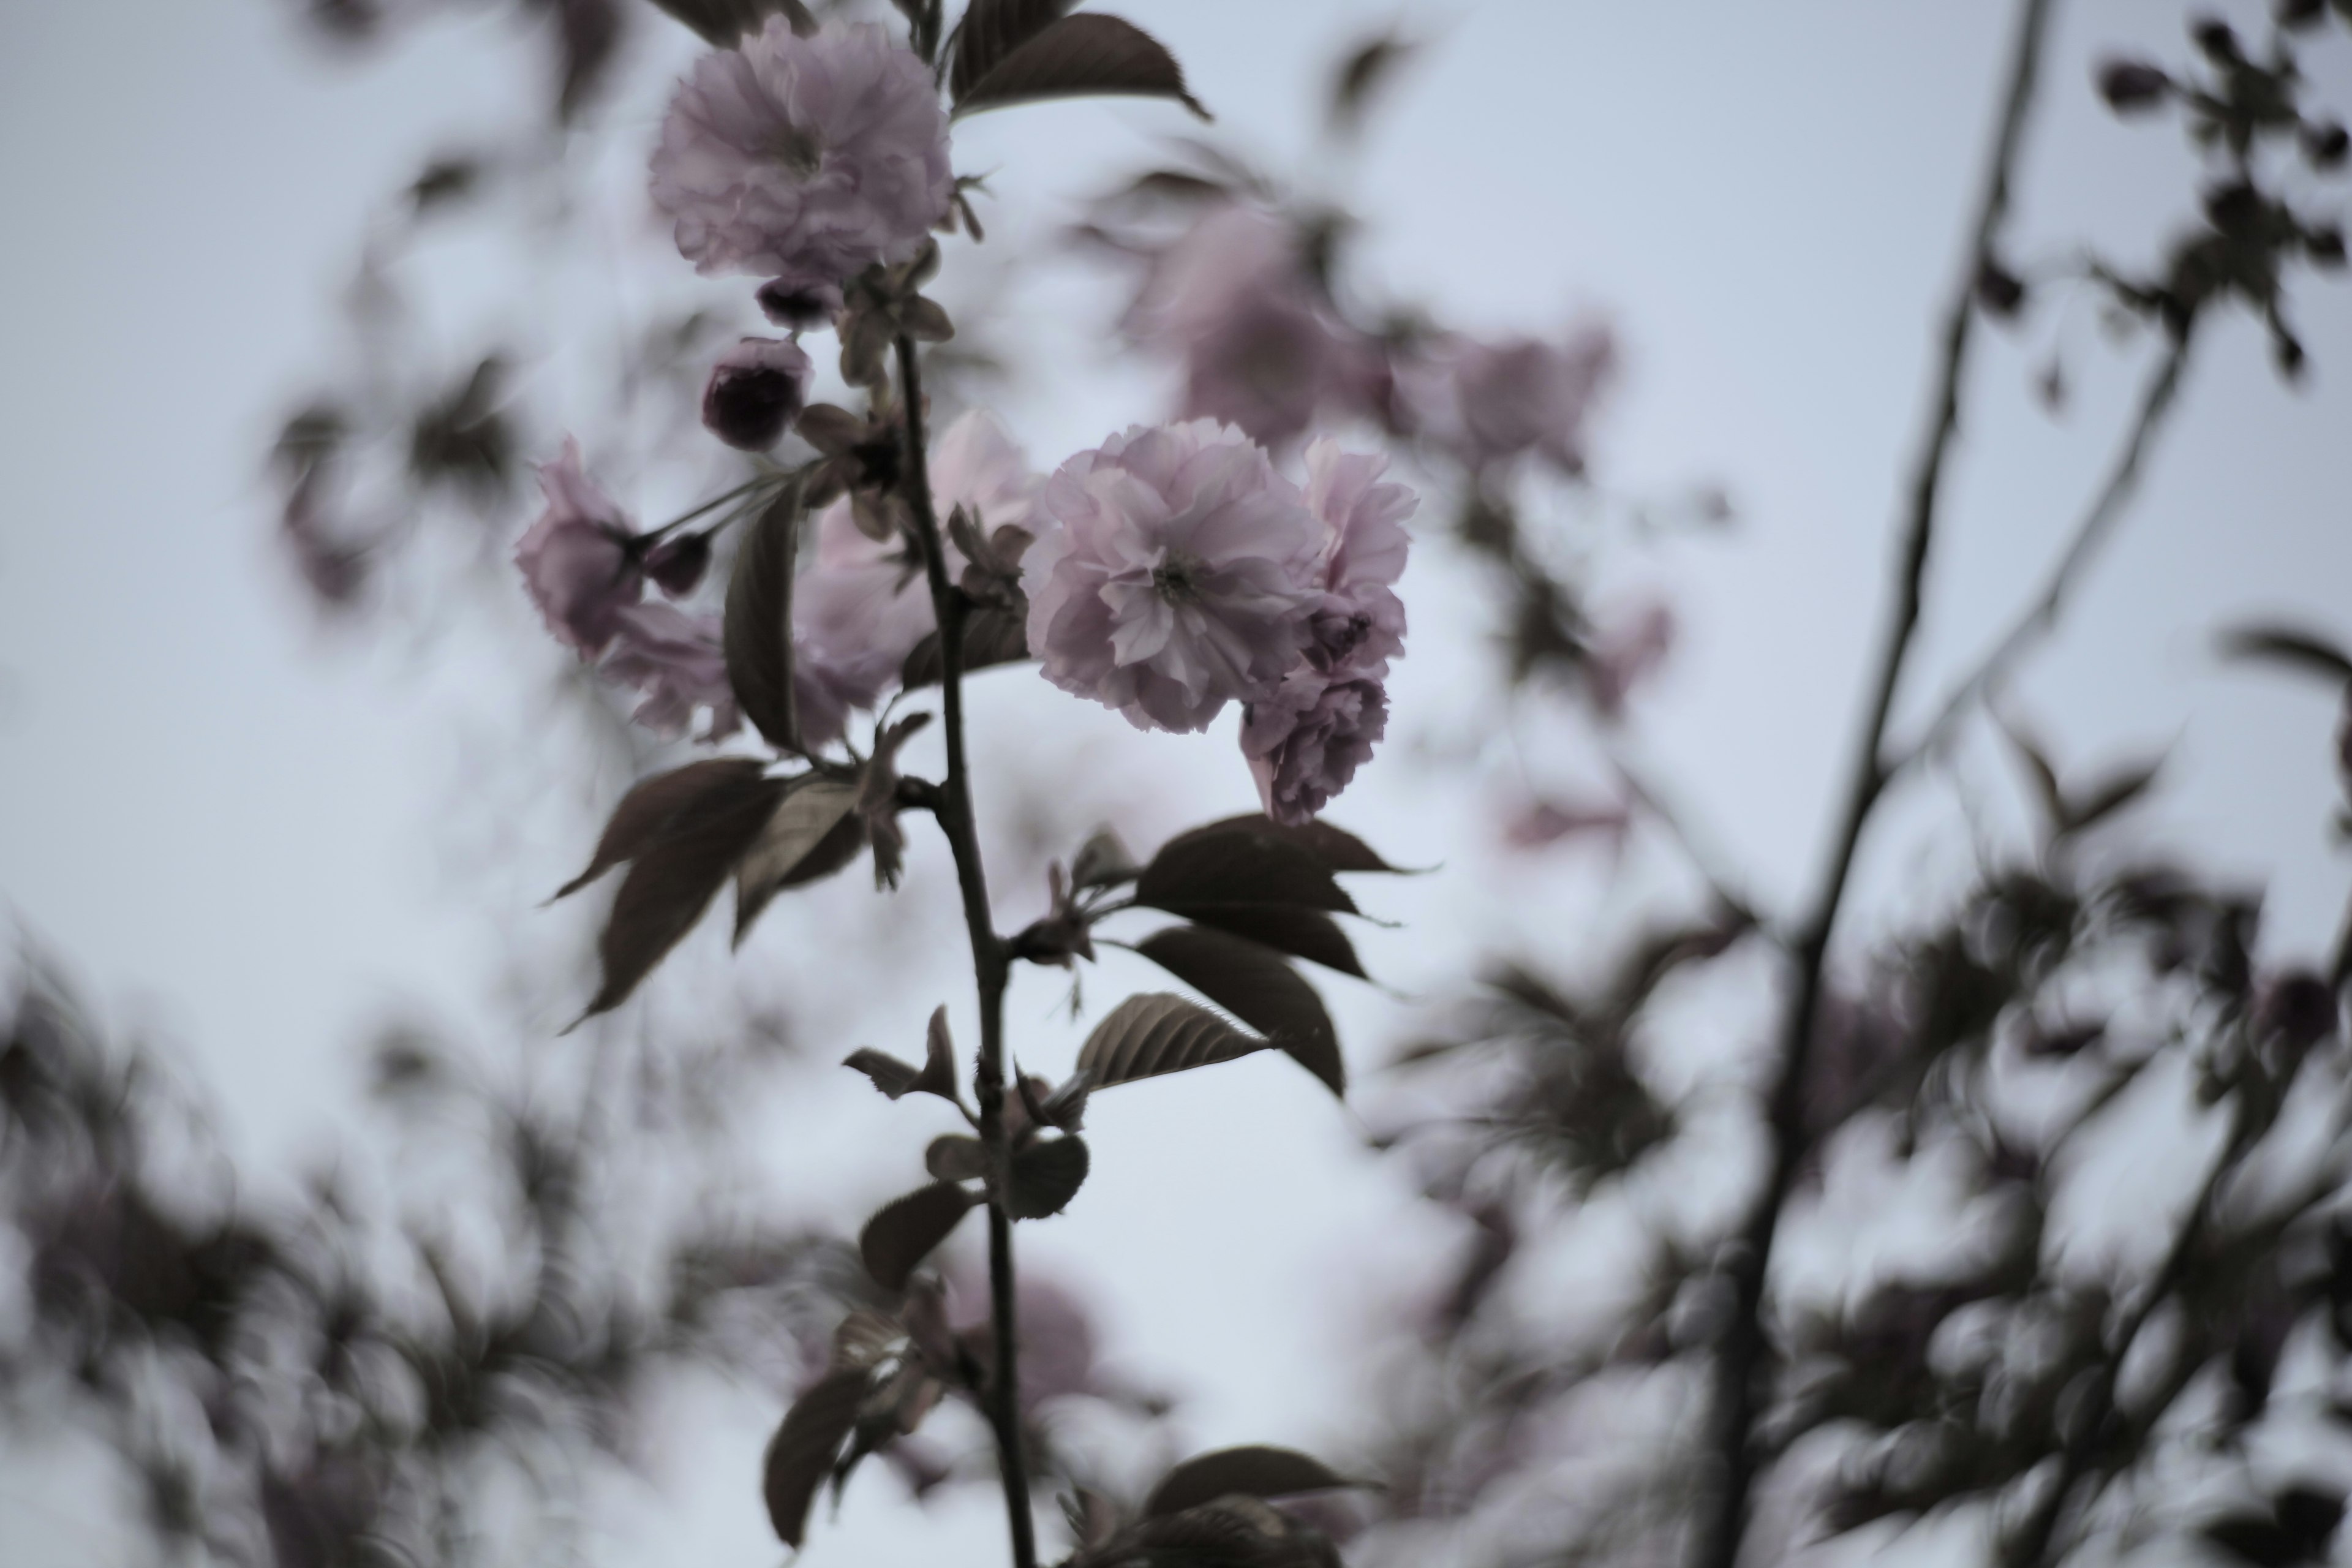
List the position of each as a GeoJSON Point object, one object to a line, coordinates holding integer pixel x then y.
{"type": "Point", "coordinates": [675, 659]}
{"type": "Point", "coordinates": [1306, 741]}
{"type": "Point", "coordinates": [1488, 402]}
{"type": "Point", "coordinates": [1358, 624]}
{"type": "Point", "coordinates": [574, 559]}
{"type": "Point", "coordinates": [757, 389]}
{"type": "Point", "coordinates": [804, 158]}
{"type": "Point", "coordinates": [1173, 572]}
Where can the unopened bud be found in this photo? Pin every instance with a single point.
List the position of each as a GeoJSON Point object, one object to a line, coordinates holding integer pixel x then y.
{"type": "Point", "coordinates": [677, 563]}
{"type": "Point", "coordinates": [756, 389]}
{"type": "Point", "coordinates": [2131, 86]}
{"type": "Point", "coordinates": [799, 302]}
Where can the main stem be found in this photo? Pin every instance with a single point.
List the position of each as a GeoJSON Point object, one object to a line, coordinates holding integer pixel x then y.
{"type": "Point", "coordinates": [990, 965]}
{"type": "Point", "coordinates": [1740, 1357]}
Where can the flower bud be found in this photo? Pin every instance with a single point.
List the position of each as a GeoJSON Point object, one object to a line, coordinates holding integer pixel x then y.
{"type": "Point", "coordinates": [757, 389]}
{"type": "Point", "coordinates": [2131, 86]}
{"type": "Point", "coordinates": [800, 301]}
{"type": "Point", "coordinates": [677, 563]}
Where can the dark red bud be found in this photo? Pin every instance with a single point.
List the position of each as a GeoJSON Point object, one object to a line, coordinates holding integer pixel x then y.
{"type": "Point", "coordinates": [677, 563]}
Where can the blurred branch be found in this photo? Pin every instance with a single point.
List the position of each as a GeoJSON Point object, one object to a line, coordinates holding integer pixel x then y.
{"type": "Point", "coordinates": [2039, 618]}
{"type": "Point", "coordinates": [1740, 1356]}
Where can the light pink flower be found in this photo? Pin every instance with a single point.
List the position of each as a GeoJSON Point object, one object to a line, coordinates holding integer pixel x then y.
{"type": "Point", "coordinates": [1261, 350]}
{"type": "Point", "coordinates": [675, 659]}
{"type": "Point", "coordinates": [757, 389]}
{"type": "Point", "coordinates": [863, 605]}
{"type": "Point", "coordinates": [1358, 624]}
{"type": "Point", "coordinates": [805, 158]}
{"type": "Point", "coordinates": [1487, 403]}
{"type": "Point", "coordinates": [1627, 653]}
{"type": "Point", "coordinates": [1306, 741]}
{"type": "Point", "coordinates": [574, 559]}
{"type": "Point", "coordinates": [1173, 572]}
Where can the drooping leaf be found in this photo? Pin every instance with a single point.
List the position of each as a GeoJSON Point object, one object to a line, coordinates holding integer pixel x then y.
{"type": "Point", "coordinates": [1081, 55]}
{"type": "Point", "coordinates": [723, 23]}
{"type": "Point", "coordinates": [801, 1452]}
{"type": "Point", "coordinates": [903, 1231]}
{"type": "Point", "coordinates": [673, 879]}
{"type": "Point", "coordinates": [1254, 1471]}
{"type": "Point", "coordinates": [650, 805]}
{"type": "Point", "coordinates": [757, 636]}
{"type": "Point", "coordinates": [2306, 651]}
{"type": "Point", "coordinates": [810, 835]}
{"type": "Point", "coordinates": [955, 1157]}
{"type": "Point", "coordinates": [991, 29]}
{"type": "Point", "coordinates": [1156, 1032]}
{"type": "Point", "coordinates": [1046, 1176]}
{"type": "Point", "coordinates": [1239, 862]}
{"type": "Point", "coordinates": [1300, 932]}
{"type": "Point", "coordinates": [1256, 986]}
{"type": "Point", "coordinates": [891, 1075]}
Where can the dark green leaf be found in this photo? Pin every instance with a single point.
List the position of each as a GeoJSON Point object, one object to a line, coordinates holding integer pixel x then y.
{"type": "Point", "coordinates": [1259, 1472]}
{"type": "Point", "coordinates": [1256, 986]}
{"type": "Point", "coordinates": [1243, 861]}
{"type": "Point", "coordinates": [758, 633]}
{"type": "Point", "coordinates": [955, 1157]}
{"type": "Point", "coordinates": [891, 1075]}
{"type": "Point", "coordinates": [938, 1056]}
{"type": "Point", "coordinates": [2284, 645]}
{"type": "Point", "coordinates": [1080, 56]}
{"type": "Point", "coordinates": [1302, 933]}
{"type": "Point", "coordinates": [801, 1452]}
{"type": "Point", "coordinates": [674, 879]}
{"type": "Point", "coordinates": [1156, 1032]}
{"type": "Point", "coordinates": [1337, 848]}
{"type": "Point", "coordinates": [1046, 1176]}
{"type": "Point", "coordinates": [991, 636]}
{"type": "Point", "coordinates": [903, 1232]}
{"type": "Point", "coordinates": [724, 23]}
{"type": "Point", "coordinates": [810, 834]}
{"type": "Point", "coordinates": [991, 29]}
{"type": "Point", "coordinates": [652, 803]}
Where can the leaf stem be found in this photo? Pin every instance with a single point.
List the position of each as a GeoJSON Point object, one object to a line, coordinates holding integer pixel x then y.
{"type": "Point", "coordinates": [1740, 1355]}
{"type": "Point", "coordinates": [990, 965]}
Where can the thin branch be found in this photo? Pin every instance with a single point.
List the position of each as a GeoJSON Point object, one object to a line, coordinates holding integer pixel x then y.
{"type": "Point", "coordinates": [2039, 619]}
{"type": "Point", "coordinates": [952, 807]}
{"type": "Point", "coordinates": [1740, 1357]}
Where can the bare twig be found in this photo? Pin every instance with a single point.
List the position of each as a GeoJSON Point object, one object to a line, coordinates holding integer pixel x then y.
{"type": "Point", "coordinates": [1740, 1355]}
{"type": "Point", "coordinates": [952, 807]}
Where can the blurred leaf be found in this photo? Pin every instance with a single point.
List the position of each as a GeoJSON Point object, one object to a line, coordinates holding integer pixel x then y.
{"type": "Point", "coordinates": [955, 1157]}
{"type": "Point", "coordinates": [462, 438]}
{"type": "Point", "coordinates": [587, 34]}
{"type": "Point", "coordinates": [1156, 1032]}
{"type": "Point", "coordinates": [758, 636]}
{"type": "Point", "coordinates": [1254, 1471]}
{"type": "Point", "coordinates": [903, 1232]}
{"type": "Point", "coordinates": [938, 1056]}
{"type": "Point", "coordinates": [1102, 862]}
{"type": "Point", "coordinates": [2282, 645]}
{"type": "Point", "coordinates": [2119, 791]}
{"type": "Point", "coordinates": [892, 1077]}
{"type": "Point", "coordinates": [800, 1454]}
{"type": "Point", "coordinates": [652, 803]}
{"type": "Point", "coordinates": [1046, 1176]}
{"type": "Point", "coordinates": [674, 879]}
{"type": "Point", "coordinates": [1257, 987]}
{"type": "Point", "coordinates": [1367, 70]}
{"type": "Point", "coordinates": [723, 23]}
{"type": "Point", "coordinates": [810, 834]}
{"type": "Point", "coordinates": [1080, 56]}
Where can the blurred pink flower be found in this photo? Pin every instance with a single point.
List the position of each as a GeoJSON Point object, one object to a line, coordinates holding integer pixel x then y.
{"type": "Point", "coordinates": [805, 158]}
{"type": "Point", "coordinates": [1626, 654]}
{"type": "Point", "coordinates": [574, 559]}
{"type": "Point", "coordinates": [1306, 741]}
{"type": "Point", "coordinates": [1358, 626]}
{"type": "Point", "coordinates": [675, 659]}
{"type": "Point", "coordinates": [1173, 572]}
{"type": "Point", "coordinates": [1543, 821]}
{"type": "Point", "coordinates": [1261, 350]}
{"type": "Point", "coordinates": [1487, 403]}
{"type": "Point", "coordinates": [757, 389]}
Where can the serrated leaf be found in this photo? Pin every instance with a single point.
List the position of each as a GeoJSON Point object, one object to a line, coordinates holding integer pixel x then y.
{"type": "Point", "coordinates": [801, 1452]}
{"type": "Point", "coordinates": [903, 1232]}
{"type": "Point", "coordinates": [810, 835]}
{"type": "Point", "coordinates": [2301, 650]}
{"type": "Point", "coordinates": [1046, 1176]}
{"type": "Point", "coordinates": [1239, 862]}
{"type": "Point", "coordinates": [757, 636]}
{"type": "Point", "coordinates": [1256, 986]}
{"type": "Point", "coordinates": [1156, 1032]}
{"type": "Point", "coordinates": [1254, 1471]}
{"type": "Point", "coordinates": [722, 24]}
{"type": "Point", "coordinates": [991, 29]}
{"type": "Point", "coordinates": [891, 1075]}
{"type": "Point", "coordinates": [651, 805]}
{"type": "Point", "coordinates": [673, 880]}
{"type": "Point", "coordinates": [1081, 55]}
{"type": "Point", "coordinates": [955, 1157]}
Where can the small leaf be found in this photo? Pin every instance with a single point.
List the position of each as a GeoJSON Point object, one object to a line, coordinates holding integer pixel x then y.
{"type": "Point", "coordinates": [1080, 56]}
{"type": "Point", "coordinates": [1102, 862]}
{"type": "Point", "coordinates": [673, 880]}
{"type": "Point", "coordinates": [1259, 1472]}
{"type": "Point", "coordinates": [801, 1453]}
{"type": "Point", "coordinates": [891, 1075]}
{"type": "Point", "coordinates": [955, 1157]}
{"type": "Point", "coordinates": [651, 805]}
{"type": "Point", "coordinates": [1046, 1176]}
{"type": "Point", "coordinates": [723, 23]}
{"type": "Point", "coordinates": [1147, 1036]}
{"type": "Point", "coordinates": [938, 1056]}
{"type": "Point", "coordinates": [903, 1232]}
{"type": "Point", "coordinates": [810, 834]}
{"type": "Point", "coordinates": [758, 633]}
{"type": "Point", "coordinates": [2284, 645]}
{"type": "Point", "coordinates": [991, 29]}
{"type": "Point", "coordinates": [1255, 986]}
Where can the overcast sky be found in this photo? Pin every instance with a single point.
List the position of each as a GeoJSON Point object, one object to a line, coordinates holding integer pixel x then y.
{"type": "Point", "coordinates": [226, 818]}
